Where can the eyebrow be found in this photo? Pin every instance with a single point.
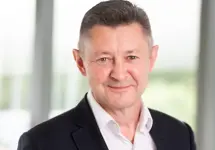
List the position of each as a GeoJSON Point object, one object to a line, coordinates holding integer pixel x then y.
{"type": "Point", "coordinates": [110, 53]}
{"type": "Point", "coordinates": [132, 51]}
{"type": "Point", "coordinates": [102, 53]}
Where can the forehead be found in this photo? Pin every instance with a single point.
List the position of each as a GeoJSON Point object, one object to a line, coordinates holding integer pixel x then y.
{"type": "Point", "coordinates": [122, 37]}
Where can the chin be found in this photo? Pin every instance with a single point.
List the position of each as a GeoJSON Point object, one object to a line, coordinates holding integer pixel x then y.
{"type": "Point", "coordinates": [121, 103]}
{"type": "Point", "coordinates": [122, 106]}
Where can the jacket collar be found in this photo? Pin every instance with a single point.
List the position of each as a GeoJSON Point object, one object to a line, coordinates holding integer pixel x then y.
{"type": "Point", "coordinates": [87, 136]}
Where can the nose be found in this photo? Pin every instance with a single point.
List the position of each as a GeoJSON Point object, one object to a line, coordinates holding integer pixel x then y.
{"type": "Point", "coordinates": [119, 70]}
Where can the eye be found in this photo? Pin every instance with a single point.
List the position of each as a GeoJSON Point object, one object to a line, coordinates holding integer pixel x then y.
{"type": "Point", "coordinates": [103, 60]}
{"type": "Point", "coordinates": [132, 57]}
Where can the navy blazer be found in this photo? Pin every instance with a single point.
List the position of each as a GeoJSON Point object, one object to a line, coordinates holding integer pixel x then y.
{"type": "Point", "coordinates": [77, 130]}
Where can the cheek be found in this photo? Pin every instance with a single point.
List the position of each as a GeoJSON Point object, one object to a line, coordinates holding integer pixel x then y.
{"type": "Point", "coordinates": [139, 73]}
{"type": "Point", "coordinates": [98, 74]}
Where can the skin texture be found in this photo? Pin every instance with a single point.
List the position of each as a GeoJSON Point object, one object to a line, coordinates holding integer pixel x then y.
{"type": "Point", "coordinates": [117, 62]}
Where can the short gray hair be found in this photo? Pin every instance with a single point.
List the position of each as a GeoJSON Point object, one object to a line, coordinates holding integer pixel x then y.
{"type": "Point", "coordinates": [114, 13]}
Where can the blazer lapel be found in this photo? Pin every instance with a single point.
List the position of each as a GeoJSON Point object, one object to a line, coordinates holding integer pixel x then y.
{"type": "Point", "coordinates": [157, 138]}
{"type": "Point", "coordinates": [87, 136]}
{"type": "Point", "coordinates": [158, 134]}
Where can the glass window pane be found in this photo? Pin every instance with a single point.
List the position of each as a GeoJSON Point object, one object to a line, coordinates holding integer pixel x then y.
{"type": "Point", "coordinates": [16, 44]}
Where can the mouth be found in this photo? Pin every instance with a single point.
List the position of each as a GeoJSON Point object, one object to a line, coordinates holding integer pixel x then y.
{"type": "Point", "coordinates": [119, 88]}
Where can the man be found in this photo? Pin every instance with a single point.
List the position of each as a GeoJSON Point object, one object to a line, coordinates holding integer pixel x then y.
{"type": "Point", "coordinates": [116, 53]}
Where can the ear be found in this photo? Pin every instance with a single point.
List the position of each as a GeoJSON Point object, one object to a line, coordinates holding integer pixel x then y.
{"type": "Point", "coordinates": [79, 61]}
{"type": "Point", "coordinates": [153, 56]}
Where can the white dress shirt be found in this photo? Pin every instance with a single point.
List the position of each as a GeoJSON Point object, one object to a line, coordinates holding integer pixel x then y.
{"type": "Point", "coordinates": [110, 130]}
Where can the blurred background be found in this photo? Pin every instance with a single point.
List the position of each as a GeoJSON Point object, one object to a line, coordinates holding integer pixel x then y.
{"type": "Point", "coordinates": [38, 76]}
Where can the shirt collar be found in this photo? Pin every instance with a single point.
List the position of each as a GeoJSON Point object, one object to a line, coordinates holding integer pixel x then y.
{"type": "Point", "coordinates": [146, 121]}
{"type": "Point", "coordinates": [103, 118]}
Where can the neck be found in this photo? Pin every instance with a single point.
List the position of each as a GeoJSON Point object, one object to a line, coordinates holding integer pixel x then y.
{"type": "Point", "coordinates": [127, 118]}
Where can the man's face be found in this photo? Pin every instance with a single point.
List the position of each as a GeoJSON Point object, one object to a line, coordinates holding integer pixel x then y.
{"type": "Point", "coordinates": [117, 62]}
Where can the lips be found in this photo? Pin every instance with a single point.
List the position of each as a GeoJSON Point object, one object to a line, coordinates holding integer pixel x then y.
{"type": "Point", "coordinates": [119, 88]}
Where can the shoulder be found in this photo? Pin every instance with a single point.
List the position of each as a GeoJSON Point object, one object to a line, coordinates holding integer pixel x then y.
{"type": "Point", "coordinates": [162, 118]}
{"type": "Point", "coordinates": [50, 134]}
{"type": "Point", "coordinates": [63, 124]}
{"type": "Point", "coordinates": [58, 125]}
{"type": "Point", "coordinates": [173, 129]}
